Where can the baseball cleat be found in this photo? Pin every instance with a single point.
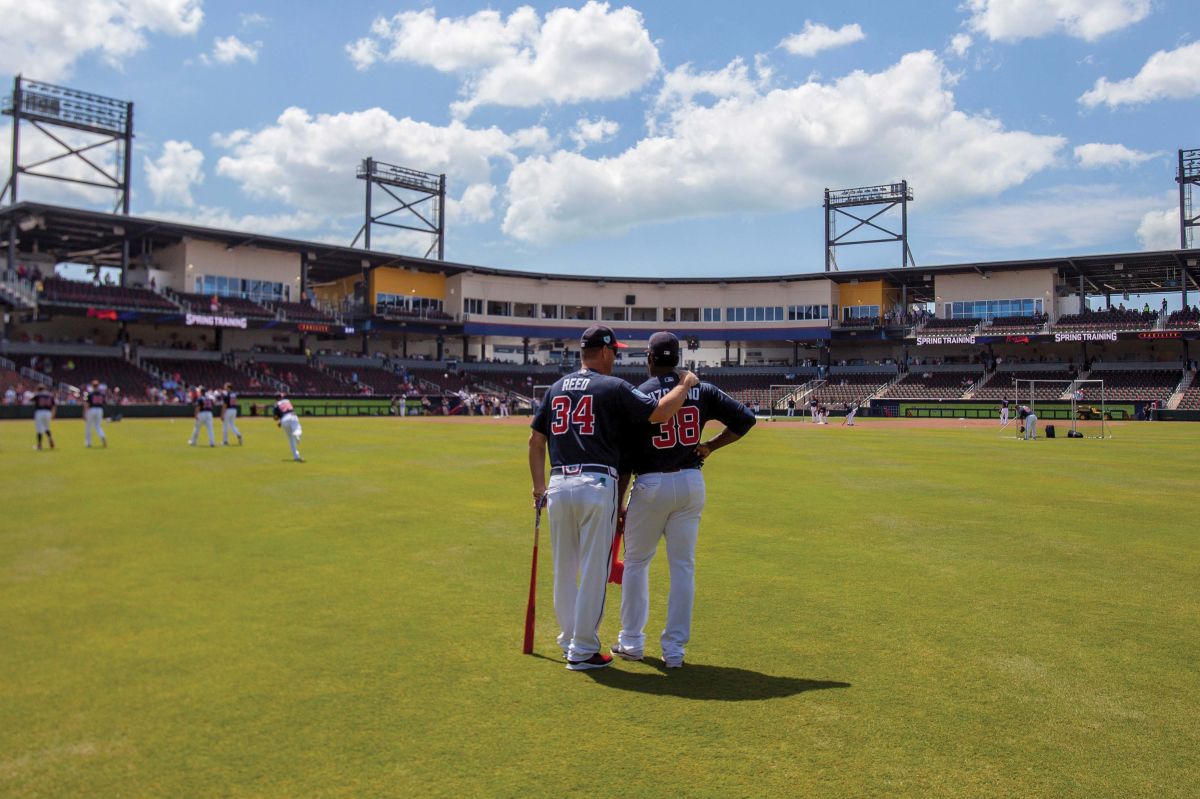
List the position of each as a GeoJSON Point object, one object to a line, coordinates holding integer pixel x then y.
{"type": "Point", "coordinates": [673, 663]}
{"type": "Point", "coordinates": [626, 654]}
{"type": "Point", "coordinates": [596, 661]}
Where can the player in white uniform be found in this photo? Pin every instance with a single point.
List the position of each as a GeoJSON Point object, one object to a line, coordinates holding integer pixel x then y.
{"type": "Point", "coordinates": [229, 415]}
{"type": "Point", "coordinates": [812, 409]}
{"type": "Point", "coordinates": [43, 412]}
{"type": "Point", "coordinates": [94, 415]}
{"type": "Point", "coordinates": [1004, 412]}
{"type": "Point", "coordinates": [667, 500]}
{"type": "Point", "coordinates": [850, 416]}
{"type": "Point", "coordinates": [203, 404]}
{"type": "Point", "coordinates": [289, 422]}
{"type": "Point", "coordinates": [582, 422]}
{"type": "Point", "coordinates": [1030, 422]}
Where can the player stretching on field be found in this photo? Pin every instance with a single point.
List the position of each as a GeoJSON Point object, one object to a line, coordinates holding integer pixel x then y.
{"type": "Point", "coordinates": [229, 415]}
{"type": "Point", "coordinates": [43, 412]}
{"type": "Point", "coordinates": [583, 419]}
{"type": "Point", "coordinates": [286, 420]}
{"type": "Point", "coordinates": [94, 415]}
{"type": "Point", "coordinates": [667, 499]}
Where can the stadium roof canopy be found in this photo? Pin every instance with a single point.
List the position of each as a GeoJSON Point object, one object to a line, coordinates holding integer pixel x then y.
{"type": "Point", "coordinates": [83, 236]}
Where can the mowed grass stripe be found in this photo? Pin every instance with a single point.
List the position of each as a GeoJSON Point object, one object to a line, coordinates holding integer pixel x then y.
{"type": "Point", "coordinates": [880, 611]}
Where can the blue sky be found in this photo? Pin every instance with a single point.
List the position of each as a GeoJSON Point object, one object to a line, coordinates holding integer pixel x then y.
{"type": "Point", "coordinates": [648, 139]}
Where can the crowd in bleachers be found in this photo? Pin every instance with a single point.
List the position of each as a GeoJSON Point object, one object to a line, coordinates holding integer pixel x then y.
{"type": "Point", "coordinates": [122, 377]}
{"type": "Point", "coordinates": [182, 374]}
{"type": "Point", "coordinates": [1184, 319]}
{"type": "Point", "coordinates": [1115, 318]}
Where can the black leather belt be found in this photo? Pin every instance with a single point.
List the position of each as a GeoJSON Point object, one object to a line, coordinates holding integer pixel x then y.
{"type": "Point", "coordinates": [583, 468]}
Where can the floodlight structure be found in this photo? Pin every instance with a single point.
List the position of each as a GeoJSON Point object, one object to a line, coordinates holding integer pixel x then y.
{"type": "Point", "coordinates": [45, 107]}
{"type": "Point", "coordinates": [1188, 179]}
{"type": "Point", "coordinates": [421, 194]}
{"type": "Point", "coordinates": [888, 196]}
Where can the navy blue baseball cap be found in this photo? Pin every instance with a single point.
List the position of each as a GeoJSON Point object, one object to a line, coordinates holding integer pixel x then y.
{"type": "Point", "coordinates": [664, 349]}
{"type": "Point", "coordinates": [600, 336]}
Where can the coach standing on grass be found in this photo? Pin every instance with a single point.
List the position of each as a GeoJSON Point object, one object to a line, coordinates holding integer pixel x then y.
{"type": "Point", "coordinates": [583, 419]}
{"type": "Point", "coordinates": [668, 498]}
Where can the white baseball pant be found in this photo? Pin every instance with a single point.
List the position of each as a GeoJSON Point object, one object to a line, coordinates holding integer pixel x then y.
{"type": "Point", "coordinates": [1003, 416]}
{"type": "Point", "coordinates": [41, 421]}
{"type": "Point", "coordinates": [228, 424]}
{"type": "Point", "coordinates": [291, 427]}
{"type": "Point", "coordinates": [662, 505]}
{"type": "Point", "coordinates": [850, 417]}
{"type": "Point", "coordinates": [92, 419]}
{"type": "Point", "coordinates": [1030, 427]}
{"type": "Point", "coordinates": [203, 419]}
{"type": "Point", "coordinates": [583, 519]}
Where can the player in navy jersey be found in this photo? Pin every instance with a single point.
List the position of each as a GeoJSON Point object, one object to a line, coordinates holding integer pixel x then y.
{"type": "Point", "coordinates": [1004, 412]}
{"type": "Point", "coordinates": [93, 401]}
{"type": "Point", "coordinates": [668, 498]}
{"type": "Point", "coordinates": [43, 412]}
{"type": "Point", "coordinates": [229, 414]}
{"type": "Point", "coordinates": [203, 403]}
{"type": "Point", "coordinates": [583, 419]}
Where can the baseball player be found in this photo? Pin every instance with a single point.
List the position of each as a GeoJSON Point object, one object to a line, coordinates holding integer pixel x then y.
{"type": "Point", "coordinates": [1030, 422]}
{"type": "Point", "coordinates": [286, 420]}
{"type": "Point", "coordinates": [668, 498]}
{"type": "Point", "coordinates": [94, 402]}
{"type": "Point", "coordinates": [582, 421]}
{"type": "Point", "coordinates": [203, 404]}
{"type": "Point", "coordinates": [1003, 412]}
{"type": "Point", "coordinates": [812, 409]}
{"type": "Point", "coordinates": [791, 406]}
{"type": "Point", "coordinates": [850, 413]}
{"type": "Point", "coordinates": [43, 412]}
{"type": "Point", "coordinates": [229, 412]}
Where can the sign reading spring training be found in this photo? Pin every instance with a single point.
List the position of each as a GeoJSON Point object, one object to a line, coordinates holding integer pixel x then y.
{"type": "Point", "coordinates": [205, 320]}
{"type": "Point", "coordinates": [1095, 335]}
{"type": "Point", "coordinates": [946, 339]}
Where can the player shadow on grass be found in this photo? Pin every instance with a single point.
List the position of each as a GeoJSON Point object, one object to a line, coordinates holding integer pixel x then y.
{"type": "Point", "coordinates": [702, 681]}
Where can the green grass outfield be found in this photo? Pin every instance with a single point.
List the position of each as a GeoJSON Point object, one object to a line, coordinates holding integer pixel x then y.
{"type": "Point", "coordinates": [887, 610]}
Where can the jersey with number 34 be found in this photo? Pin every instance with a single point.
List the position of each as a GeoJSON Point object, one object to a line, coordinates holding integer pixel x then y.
{"type": "Point", "coordinates": [586, 415]}
{"type": "Point", "coordinates": [672, 444]}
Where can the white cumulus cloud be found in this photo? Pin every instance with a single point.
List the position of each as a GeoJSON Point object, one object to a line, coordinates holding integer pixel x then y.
{"type": "Point", "coordinates": [762, 148]}
{"type": "Point", "coordinates": [593, 131]}
{"type": "Point", "coordinates": [475, 205]}
{"type": "Point", "coordinates": [1096, 155]}
{"type": "Point", "coordinates": [48, 37]}
{"type": "Point", "coordinates": [230, 49]}
{"type": "Point", "coordinates": [960, 44]}
{"type": "Point", "coordinates": [1013, 20]}
{"type": "Point", "coordinates": [172, 175]}
{"type": "Point", "coordinates": [571, 55]}
{"type": "Point", "coordinates": [817, 37]}
{"type": "Point", "coordinates": [1166, 75]}
{"type": "Point", "coordinates": [1159, 230]}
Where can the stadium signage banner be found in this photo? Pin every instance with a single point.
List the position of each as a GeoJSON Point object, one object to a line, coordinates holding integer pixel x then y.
{"type": "Point", "coordinates": [205, 320]}
{"type": "Point", "coordinates": [934, 339]}
{"type": "Point", "coordinates": [1097, 335]}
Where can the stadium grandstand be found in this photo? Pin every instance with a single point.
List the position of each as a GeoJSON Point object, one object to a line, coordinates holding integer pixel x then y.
{"type": "Point", "coordinates": [336, 322]}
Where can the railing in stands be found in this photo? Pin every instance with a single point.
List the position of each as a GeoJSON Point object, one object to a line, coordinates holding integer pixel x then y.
{"type": "Point", "coordinates": [36, 377]}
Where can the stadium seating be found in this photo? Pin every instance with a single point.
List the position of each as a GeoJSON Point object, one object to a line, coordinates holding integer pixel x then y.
{"type": "Point", "coordinates": [1012, 325]}
{"type": "Point", "coordinates": [74, 292]}
{"type": "Point", "coordinates": [1191, 399]}
{"type": "Point", "coordinates": [1141, 385]}
{"type": "Point", "coordinates": [232, 306]}
{"type": "Point", "coordinates": [446, 380]}
{"type": "Point", "coordinates": [851, 388]}
{"type": "Point", "coordinates": [381, 381]}
{"type": "Point", "coordinates": [950, 326]}
{"type": "Point", "coordinates": [860, 321]}
{"type": "Point", "coordinates": [1107, 319]}
{"type": "Point", "coordinates": [80, 370]}
{"type": "Point", "coordinates": [931, 385]}
{"type": "Point", "coordinates": [1000, 385]}
{"type": "Point", "coordinates": [211, 374]}
{"type": "Point", "coordinates": [304, 379]}
{"type": "Point", "coordinates": [303, 312]}
{"type": "Point", "coordinates": [1187, 319]}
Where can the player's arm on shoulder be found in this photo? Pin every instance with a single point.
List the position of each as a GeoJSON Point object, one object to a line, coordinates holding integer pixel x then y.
{"type": "Point", "coordinates": [537, 466]}
{"type": "Point", "coordinates": [670, 404]}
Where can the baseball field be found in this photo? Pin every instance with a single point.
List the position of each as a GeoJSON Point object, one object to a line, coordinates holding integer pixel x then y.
{"type": "Point", "coordinates": [925, 610]}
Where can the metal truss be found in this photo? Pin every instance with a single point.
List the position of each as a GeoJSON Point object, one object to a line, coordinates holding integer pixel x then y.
{"type": "Point", "coordinates": [888, 196]}
{"type": "Point", "coordinates": [420, 197]}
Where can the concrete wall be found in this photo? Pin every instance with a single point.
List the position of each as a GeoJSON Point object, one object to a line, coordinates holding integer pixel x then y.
{"type": "Point", "coordinates": [1027, 284]}
{"type": "Point", "coordinates": [246, 262]}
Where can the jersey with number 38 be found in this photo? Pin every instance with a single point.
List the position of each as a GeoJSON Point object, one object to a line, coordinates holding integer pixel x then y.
{"type": "Point", "coordinates": [672, 444]}
{"type": "Point", "coordinates": [586, 415]}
